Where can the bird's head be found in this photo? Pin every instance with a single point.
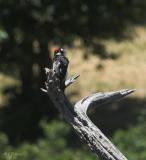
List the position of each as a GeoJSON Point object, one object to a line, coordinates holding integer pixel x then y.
{"type": "Point", "coordinates": [58, 52]}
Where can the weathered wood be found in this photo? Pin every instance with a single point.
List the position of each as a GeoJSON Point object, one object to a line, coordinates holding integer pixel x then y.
{"type": "Point", "coordinates": [71, 80]}
{"type": "Point", "coordinates": [77, 117]}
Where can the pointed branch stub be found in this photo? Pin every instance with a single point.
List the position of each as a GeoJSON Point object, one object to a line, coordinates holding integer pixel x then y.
{"type": "Point", "coordinates": [97, 99]}
{"type": "Point", "coordinates": [71, 80]}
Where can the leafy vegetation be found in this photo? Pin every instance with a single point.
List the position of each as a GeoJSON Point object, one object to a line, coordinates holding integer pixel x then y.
{"type": "Point", "coordinates": [53, 145]}
{"type": "Point", "coordinates": [132, 142]}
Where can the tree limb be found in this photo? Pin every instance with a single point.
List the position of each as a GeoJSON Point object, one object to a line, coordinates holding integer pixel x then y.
{"type": "Point", "coordinates": [100, 98]}
{"type": "Point", "coordinates": [77, 117]}
{"type": "Point", "coordinates": [71, 80]}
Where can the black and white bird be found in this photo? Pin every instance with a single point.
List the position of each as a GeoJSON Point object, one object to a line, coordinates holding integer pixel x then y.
{"type": "Point", "coordinates": [60, 65]}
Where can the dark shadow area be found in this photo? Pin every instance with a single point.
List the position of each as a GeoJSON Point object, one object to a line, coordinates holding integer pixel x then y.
{"type": "Point", "coordinates": [28, 26]}
{"type": "Point", "coordinates": [20, 119]}
{"type": "Point", "coordinates": [120, 115]}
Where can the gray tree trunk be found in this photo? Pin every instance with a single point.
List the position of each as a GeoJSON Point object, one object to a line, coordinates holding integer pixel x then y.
{"type": "Point", "coordinates": [77, 115]}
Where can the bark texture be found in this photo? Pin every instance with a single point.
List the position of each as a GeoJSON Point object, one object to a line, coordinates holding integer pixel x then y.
{"type": "Point", "coordinates": [77, 115]}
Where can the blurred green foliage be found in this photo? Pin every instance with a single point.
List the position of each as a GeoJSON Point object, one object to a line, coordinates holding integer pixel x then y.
{"type": "Point", "coordinates": [53, 146]}
{"type": "Point", "coordinates": [132, 142]}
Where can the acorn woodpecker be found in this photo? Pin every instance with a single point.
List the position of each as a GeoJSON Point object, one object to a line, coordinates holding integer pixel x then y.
{"type": "Point", "coordinates": [60, 65]}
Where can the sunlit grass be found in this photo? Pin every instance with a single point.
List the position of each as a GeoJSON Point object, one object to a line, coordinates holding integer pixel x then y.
{"type": "Point", "coordinates": [127, 71]}
{"type": "Point", "coordinates": [5, 82]}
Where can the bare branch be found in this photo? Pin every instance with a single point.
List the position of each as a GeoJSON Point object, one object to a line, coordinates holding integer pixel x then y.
{"type": "Point", "coordinates": [77, 117]}
{"type": "Point", "coordinates": [47, 70]}
{"type": "Point", "coordinates": [98, 99]}
{"type": "Point", "coordinates": [43, 90]}
{"type": "Point", "coordinates": [71, 80]}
